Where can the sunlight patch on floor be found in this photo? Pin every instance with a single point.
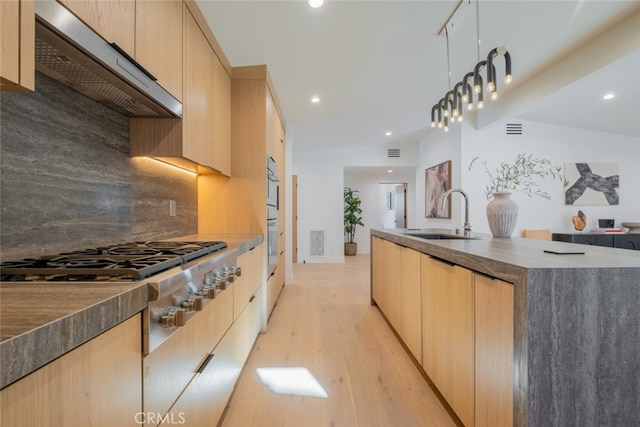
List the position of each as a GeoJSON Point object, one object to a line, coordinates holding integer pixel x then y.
{"type": "Point", "coordinates": [290, 380]}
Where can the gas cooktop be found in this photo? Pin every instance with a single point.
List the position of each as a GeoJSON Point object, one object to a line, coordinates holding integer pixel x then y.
{"type": "Point", "coordinates": [128, 261]}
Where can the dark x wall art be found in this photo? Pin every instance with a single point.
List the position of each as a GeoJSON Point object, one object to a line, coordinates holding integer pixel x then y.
{"type": "Point", "coordinates": [591, 184]}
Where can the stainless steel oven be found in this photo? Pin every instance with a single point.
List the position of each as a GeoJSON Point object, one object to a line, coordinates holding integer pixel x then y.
{"type": "Point", "coordinates": [272, 214]}
{"type": "Point", "coordinates": [272, 184]}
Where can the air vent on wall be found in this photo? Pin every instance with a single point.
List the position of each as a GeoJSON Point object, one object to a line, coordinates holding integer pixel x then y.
{"type": "Point", "coordinates": [393, 152]}
{"type": "Point", "coordinates": [316, 243]}
{"type": "Point", "coordinates": [514, 128]}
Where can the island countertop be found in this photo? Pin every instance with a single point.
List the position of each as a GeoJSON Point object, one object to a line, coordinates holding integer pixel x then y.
{"type": "Point", "coordinates": [576, 323]}
{"type": "Point", "coordinates": [40, 321]}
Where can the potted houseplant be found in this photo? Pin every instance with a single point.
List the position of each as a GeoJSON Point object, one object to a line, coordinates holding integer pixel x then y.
{"type": "Point", "coordinates": [352, 219]}
{"type": "Point", "coordinates": [522, 176]}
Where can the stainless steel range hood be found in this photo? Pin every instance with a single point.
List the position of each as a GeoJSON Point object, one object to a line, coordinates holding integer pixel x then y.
{"type": "Point", "coordinates": [69, 51]}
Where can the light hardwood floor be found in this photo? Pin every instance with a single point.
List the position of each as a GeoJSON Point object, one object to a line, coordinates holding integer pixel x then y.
{"type": "Point", "coordinates": [324, 321]}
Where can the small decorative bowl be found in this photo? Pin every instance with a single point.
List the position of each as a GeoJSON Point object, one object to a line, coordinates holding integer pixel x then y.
{"type": "Point", "coordinates": [634, 227]}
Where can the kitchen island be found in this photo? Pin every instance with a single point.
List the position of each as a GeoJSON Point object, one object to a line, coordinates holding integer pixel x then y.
{"type": "Point", "coordinates": [576, 323]}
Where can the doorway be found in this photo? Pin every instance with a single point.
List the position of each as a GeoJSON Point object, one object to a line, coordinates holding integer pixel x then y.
{"type": "Point", "coordinates": [392, 205]}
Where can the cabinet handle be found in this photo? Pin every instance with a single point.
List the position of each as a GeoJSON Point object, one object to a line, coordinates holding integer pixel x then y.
{"type": "Point", "coordinates": [252, 298]}
{"type": "Point", "coordinates": [443, 261]}
{"type": "Point", "coordinates": [205, 363]}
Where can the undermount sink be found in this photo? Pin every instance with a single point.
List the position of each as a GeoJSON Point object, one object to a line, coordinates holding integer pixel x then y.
{"type": "Point", "coordinates": [436, 236]}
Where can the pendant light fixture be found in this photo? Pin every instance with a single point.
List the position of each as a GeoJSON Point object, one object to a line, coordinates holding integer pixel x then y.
{"type": "Point", "coordinates": [450, 108]}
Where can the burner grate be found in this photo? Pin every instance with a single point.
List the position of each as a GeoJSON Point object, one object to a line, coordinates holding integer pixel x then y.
{"type": "Point", "coordinates": [128, 261]}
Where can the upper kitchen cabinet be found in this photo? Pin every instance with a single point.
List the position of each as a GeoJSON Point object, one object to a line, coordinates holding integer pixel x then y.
{"type": "Point", "coordinates": [114, 20]}
{"type": "Point", "coordinates": [17, 45]}
{"type": "Point", "coordinates": [201, 140]}
{"type": "Point", "coordinates": [275, 133]}
{"type": "Point", "coordinates": [159, 42]}
{"type": "Point", "coordinates": [148, 31]}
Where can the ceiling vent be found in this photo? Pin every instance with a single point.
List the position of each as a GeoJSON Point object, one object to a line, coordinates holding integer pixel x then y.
{"type": "Point", "coordinates": [514, 128]}
{"type": "Point", "coordinates": [393, 152]}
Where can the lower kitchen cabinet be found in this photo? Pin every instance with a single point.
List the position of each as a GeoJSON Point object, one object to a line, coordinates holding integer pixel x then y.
{"type": "Point", "coordinates": [168, 369]}
{"type": "Point", "coordinates": [378, 266]}
{"type": "Point", "coordinates": [493, 351]}
{"type": "Point", "coordinates": [246, 285]}
{"type": "Point", "coordinates": [96, 384]}
{"type": "Point", "coordinates": [396, 290]}
{"type": "Point", "coordinates": [460, 321]}
{"type": "Point", "coordinates": [204, 399]}
{"type": "Point", "coordinates": [411, 306]}
{"type": "Point", "coordinates": [448, 333]}
{"type": "Point", "coordinates": [274, 287]}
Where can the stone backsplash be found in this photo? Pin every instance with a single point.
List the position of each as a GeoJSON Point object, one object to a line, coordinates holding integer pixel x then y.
{"type": "Point", "coordinates": [67, 181]}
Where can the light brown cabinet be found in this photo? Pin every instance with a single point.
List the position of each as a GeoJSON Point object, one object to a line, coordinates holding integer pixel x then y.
{"type": "Point", "coordinates": [245, 286]}
{"type": "Point", "coordinates": [458, 323]}
{"type": "Point", "coordinates": [396, 290]}
{"type": "Point", "coordinates": [411, 312]}
{"type": "Point", "coordinates": [158, 41]}
{"type": "Point", "coordinates": [245, 191]}
{"type": "Point", "coordinates": [169, 368]}
{"type": "Point", "coordinates": [17, 45]}
{"type": "Point", "coordinates": [493, 351]}
{"type": "Point", "coordinates": [149, 31]}
{"type": "Point", "coordinates": [200, 141]}
{"type": "Point", "coordinates": [448, 333]}
{"type": "Point", "coordinates": [113, 20]}
{"type": "Point", "coordinates": [96, 384]}
{"type": "Point", "coordinates": [204, 399]}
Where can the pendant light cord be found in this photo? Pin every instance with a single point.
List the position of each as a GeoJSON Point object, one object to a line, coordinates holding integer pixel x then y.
{"type": "Point", "coordinates": [478, 28]}
{"type": "Point", "coordinates": [446, 32]}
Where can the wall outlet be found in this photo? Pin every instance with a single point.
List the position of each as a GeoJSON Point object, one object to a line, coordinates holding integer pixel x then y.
{"type": "Point", "coordinates": [172, 208]}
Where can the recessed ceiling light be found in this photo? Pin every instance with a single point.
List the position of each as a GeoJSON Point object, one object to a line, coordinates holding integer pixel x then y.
{"type": "Point", "coordinates": [388, 134]}
{"type": "Point", "coordinates": [390, 170]}
{"type": "Point", "coordinates": [315, 99]}
{"type": "Point", "coordinates": [316, 3]}
{"type": "Point", "coordinates": [609, 96]}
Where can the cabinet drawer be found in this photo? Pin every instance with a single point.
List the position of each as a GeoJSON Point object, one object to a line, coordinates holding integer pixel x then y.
{"type": "Point", "coordinates": [170, 367]}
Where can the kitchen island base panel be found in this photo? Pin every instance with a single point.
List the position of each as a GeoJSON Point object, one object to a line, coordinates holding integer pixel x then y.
{"type": "Point", "coordinates": [583, 346]}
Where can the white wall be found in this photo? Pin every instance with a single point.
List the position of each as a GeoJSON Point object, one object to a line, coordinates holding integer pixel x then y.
{"type": "Point", "coordinates": [368, 188]}
{"type": "Point", "coordinates": [320, 200]}
{"type": "Point", "coordinates": [560, 145]}
{"type": "Point", "coordinates": [439, 147]}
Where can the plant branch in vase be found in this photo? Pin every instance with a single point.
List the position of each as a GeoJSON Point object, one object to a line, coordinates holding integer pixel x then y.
{"type": "Point", "coordinates": [521, 176]}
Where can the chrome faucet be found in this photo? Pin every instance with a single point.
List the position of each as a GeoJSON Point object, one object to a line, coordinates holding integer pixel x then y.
{"type": "Point", "coordinates": [467, 225]}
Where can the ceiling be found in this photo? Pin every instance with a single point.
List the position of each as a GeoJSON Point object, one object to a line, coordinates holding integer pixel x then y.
{"type": "Point", "coordinates": [379, 66]}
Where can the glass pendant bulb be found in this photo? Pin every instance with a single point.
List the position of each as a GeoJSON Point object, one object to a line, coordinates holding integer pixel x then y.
{"type": "Point", "coordinates": [446, 128]}
{"type": "Point", "coordinates": [460, 118]}
{"type": "Point", "coordinates": [494, 95]}
{"type": "Point", "coordinates": [480, 105]}
{"type": "Point", "coordinates": [507, 79]}
{"type": "Point", "coordinates": [470, 107]}
{"type": "Point", "coordinates": [491, 86]}
{"type": "Point", "coordinates": [433, 124]}
{"type": "Point", "coordinates": [439, 124]}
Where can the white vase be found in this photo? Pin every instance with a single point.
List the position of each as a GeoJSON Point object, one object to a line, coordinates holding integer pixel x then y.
{"type": "Point", "coordinates": [502, 214]}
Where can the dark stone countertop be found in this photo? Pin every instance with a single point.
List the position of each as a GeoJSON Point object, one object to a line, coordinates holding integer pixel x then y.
{"type": "Point", "coordinates": [576, 323]}
{"type": "Point", "coordinates": [40, 321]}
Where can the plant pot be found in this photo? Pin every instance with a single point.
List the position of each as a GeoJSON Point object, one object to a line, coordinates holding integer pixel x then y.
{"type": "Point", "coordinates": [350, 249]}
{"type": "Point", "coordinates": [502, 215]}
